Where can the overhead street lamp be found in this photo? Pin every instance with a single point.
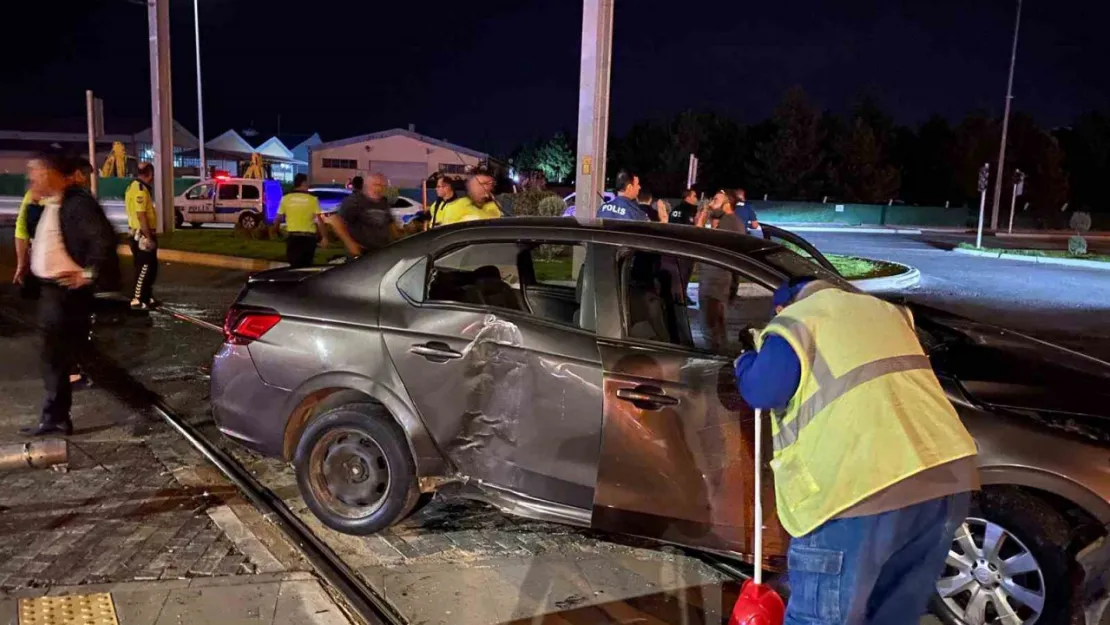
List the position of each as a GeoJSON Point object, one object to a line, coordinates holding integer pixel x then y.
{"type": "Point", "coordinates": [1005, 123]}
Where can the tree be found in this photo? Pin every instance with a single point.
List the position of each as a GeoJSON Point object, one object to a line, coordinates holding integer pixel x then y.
{"type": "Point", "coordinates": [1086, 146]}
{"type": "Point", "coordinates": [928, 175]}
{"type": "Point", "coordinates": [554, 157]}
{"type": "Point", "coordinates": [862, 172]}
{"type": "Point", "coordinates": [788, 163]}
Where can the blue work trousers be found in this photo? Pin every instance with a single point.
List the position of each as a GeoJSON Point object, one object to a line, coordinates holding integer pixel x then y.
{"type": "Point", "coordinates": [879, 569]}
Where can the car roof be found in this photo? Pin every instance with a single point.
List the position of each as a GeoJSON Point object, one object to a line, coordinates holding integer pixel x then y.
{"type": "Point", "coordinates": [730, 241]}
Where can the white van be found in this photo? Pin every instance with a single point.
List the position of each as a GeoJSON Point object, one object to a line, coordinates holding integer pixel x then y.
{"type": "Point", "coordinates": [244, 201]}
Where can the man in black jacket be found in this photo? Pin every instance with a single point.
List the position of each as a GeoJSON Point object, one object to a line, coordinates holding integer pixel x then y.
{"type": "Point", "coordinates": [74, 253]}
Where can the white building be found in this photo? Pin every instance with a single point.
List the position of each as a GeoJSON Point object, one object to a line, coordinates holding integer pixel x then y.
{"type": "Point", "coordinates": [404, 156]}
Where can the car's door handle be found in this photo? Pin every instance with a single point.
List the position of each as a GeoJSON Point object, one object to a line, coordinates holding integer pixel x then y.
{"type": "Point", "coordinates": [646, 397]}
{"type": "Point", "coordinates": [435, 351]}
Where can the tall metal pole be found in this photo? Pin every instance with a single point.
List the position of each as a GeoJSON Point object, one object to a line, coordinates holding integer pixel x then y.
{"type": "Point", "coordinates": [984, 176]}
{"type": "Point", "coordinates": [161, 97]}
{"type": "Point", "coordinates": [593, 107]}
{"type": "Point", "coordinates": [200, 98]}
{"type": "Point", "coordinates": [90, 105]}
{"type": "Point", "coordinates": [1005, 123]}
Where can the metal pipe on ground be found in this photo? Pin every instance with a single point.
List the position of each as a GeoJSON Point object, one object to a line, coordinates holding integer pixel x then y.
{"type": "Point", "coordinates": [34, 455]}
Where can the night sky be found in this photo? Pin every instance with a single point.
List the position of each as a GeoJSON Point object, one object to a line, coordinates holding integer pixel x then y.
{"type": "Point", "coordinates": [491, 74]}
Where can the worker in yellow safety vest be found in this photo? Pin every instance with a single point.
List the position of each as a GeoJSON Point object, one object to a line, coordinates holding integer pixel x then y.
{"type": "Point", "coordinates": [478, 203]}
{"type": "Point", "coordinates": [873, 468]}
{"type": "Point", "coordinates": [142, 224]}
{"type": "Point", "coordinates": [445, 195]}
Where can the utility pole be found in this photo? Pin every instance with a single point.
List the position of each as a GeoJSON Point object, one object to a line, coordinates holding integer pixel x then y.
{"type": "Point", "coordinates": [90, 108]}
{"type": "Point", "coordinates": [161, 128]}
{"type": "Point", "coordinates": [1005, 122]}
{"type": "Point", "coordinates": [984, 177]}
{"type": "Point", "coordinates": [1019, 187]}
{"type": "Point", "coordinates": [593, 107]}
{"type": "Point", "coordinates": [200, 98]}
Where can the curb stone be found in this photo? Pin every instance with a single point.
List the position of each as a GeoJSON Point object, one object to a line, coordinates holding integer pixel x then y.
{"type": "Point", "coordinates": [211, 260]}
{"type": "Point", "coordinates": [1039, 260]}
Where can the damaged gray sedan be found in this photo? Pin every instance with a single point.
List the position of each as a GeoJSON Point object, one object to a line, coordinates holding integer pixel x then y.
{"type": "Point", "coordinates": [566, 373]}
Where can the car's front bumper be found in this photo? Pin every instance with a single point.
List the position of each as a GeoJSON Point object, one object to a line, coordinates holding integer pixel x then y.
{"type": "Point", "coordinates": [245, 407]}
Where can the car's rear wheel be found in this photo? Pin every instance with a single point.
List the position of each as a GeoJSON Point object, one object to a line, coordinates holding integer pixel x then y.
{"type": "Point", "coordinates": [178, 218]}
{"type": "Point", "coordinates": [1008, 564]}
{"type": "Point", "coordinates": [354, 469]}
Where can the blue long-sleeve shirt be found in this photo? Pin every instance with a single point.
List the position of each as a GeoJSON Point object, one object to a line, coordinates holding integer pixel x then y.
{"type": "Point", "coordinates": [621, 207]}
{"type": "Point", "coordinates": [769, 378]}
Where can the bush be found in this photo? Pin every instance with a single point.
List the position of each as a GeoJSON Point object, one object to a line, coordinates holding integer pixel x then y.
{"type": "Point", "coordinates": [551, 206]}
{"type": "Point", "coordinates": [1080, 221]}
{"type": "Point", "coordinates": [1077, 246]}
{"type": "Point", "coordinates": [527, 203]}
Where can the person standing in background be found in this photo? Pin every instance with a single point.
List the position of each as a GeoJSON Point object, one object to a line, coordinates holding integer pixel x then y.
{"type": "Point", "coordinates": [746, 214]}
{"type": "Point", "coordinates": [656, 211]}
{"type": "Point", "coordinates": [363, 221]}
{"type": "Point", "coordinates": [445, 194]}
{"type": "Point", "coordinates": [687, 211]}
{"type": "Point", "coordinates": [624, 205]}
{"type": "Point", "coordinates": [478, 203]}
{"type": "Point", "coordinates": [300, 210]}
{"type": "Point", "coordinates": [717, 286]}
{"type": "Point", "coordinates": [142, 222]}
{"type": "Point", "coordinates": [74, 252]}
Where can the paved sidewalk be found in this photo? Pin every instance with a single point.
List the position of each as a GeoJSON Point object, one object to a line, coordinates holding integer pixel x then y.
{"type": "Point", "coordinates": [276, 599]}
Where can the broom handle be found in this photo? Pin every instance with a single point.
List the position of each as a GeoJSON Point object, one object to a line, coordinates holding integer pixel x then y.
{"type": "Point", "coordinates": [758, 497]}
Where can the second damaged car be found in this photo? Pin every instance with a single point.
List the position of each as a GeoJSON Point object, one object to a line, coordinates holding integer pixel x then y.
{"type": "Point", "coordinates": [566, 372]}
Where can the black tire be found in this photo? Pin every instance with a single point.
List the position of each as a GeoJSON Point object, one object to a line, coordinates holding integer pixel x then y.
{"type": "Point", "coordinates": [178, 219]}
{"type": "Point", "coordinates": [250, 220]}
{"type": "Point", "coordinates": [1043, 532]}
{"type": "Point", "coordinates": [327, 439]}
{"type": "Point", "coordinates": [195, 224]}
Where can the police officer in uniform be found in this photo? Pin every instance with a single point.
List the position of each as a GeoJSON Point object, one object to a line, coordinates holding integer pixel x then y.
{"type": "Point", "coordinates": [301, 212]}
{"type": "Point", "coordinates": [142, 222]}
{"type": "Point", "coordinates": [624, 205]}
{"type": "Point", "coordinates": [873, 468]}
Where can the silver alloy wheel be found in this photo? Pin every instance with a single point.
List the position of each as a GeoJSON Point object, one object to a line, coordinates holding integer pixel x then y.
{"type": "Point", "coordinates": [991, 577]}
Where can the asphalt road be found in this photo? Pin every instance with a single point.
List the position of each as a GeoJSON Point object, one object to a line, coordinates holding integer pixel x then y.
{"type": "Point", "coordinates": [1067, 305]}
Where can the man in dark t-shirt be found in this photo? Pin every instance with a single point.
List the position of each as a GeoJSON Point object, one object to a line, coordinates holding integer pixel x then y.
{"type": "Point", "coordinates": [363, 221]}
{"type": "Point", "coordinates": [687, 210]}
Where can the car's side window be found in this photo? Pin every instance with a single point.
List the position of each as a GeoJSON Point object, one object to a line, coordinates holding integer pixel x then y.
{"type": "Point", "coordinates": [200, 192]}
{"type": "Point", "coordinates": [484, 274]}
{"type": "Point", "coordinates": [691, 304]}
{"type": "Point", "coordinates": [228, 192]}
{"type": "Point", "coordinates": [250, 192]}
{"type": "Point", "coordinates": [538, 279]}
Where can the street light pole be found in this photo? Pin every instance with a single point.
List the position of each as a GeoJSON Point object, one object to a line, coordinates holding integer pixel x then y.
{"type": "Point", "coordinates": [200, 98]}
{"type": "Point", "coordinates": [1005, 122]}
{"type": "Point", "coordinates": [593, 107]}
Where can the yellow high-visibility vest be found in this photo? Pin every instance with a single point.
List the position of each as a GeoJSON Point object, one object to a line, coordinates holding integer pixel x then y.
{"type": "Point", "coordinates": [868, 412]}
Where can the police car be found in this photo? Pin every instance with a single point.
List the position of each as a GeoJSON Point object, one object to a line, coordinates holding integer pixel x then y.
{"type": "Point", "coordinates": [403, 208]}
{"type": "Point", "coordinates": [244, 201]}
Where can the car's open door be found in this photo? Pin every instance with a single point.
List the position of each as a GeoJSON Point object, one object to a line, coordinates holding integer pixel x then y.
{"type": "Point", "coordinates": [792, 241]}
{"type": "Point", "coordinates": [676, 459]}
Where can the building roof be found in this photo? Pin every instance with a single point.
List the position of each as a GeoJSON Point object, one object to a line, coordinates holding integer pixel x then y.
{"type": "Point", "coordinates": [385, 134]}
{"type": "Point", "coordinates": [274, 148]}
{"type": "Point", "coordinates": [181, 137]}
{"type": "Point", "coordinates": [232, 143]}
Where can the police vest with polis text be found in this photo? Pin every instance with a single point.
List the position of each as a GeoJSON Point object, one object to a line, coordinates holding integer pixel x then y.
{"type": "Point", "coordinates": [867, 413]}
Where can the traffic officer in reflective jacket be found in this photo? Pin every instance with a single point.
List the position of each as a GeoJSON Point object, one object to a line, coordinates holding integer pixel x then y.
{"type": "Point", "coordinates": [624, 206]}
{"type": "Point", "coordinates": [873, 468]}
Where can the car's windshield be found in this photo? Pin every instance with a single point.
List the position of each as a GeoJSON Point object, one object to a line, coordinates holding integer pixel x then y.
{"type": "Point", "coordinates": [795, 266]}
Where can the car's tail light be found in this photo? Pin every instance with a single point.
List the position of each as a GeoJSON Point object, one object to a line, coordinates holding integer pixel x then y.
{"type": "Point", "coordinates": [243, 326]}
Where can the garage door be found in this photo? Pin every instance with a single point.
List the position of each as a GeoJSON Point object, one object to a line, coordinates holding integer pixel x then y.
{"type": "Point", "coordinates": [401, 174]}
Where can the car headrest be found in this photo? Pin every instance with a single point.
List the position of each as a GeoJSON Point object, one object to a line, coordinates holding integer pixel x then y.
{"type": "Point", "coordinates": [487, 272]}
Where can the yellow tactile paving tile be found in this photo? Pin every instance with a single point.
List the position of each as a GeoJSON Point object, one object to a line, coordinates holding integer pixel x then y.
{"type": "Point", "coordinates": [93, 609]}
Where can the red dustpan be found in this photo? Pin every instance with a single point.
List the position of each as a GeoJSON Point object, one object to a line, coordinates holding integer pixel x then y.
{"type": "Point", "coordinates": [758, 604]}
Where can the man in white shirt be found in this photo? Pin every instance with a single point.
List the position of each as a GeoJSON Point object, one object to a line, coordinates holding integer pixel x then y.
{"type": "Point", "coordinates": [74, 250]}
